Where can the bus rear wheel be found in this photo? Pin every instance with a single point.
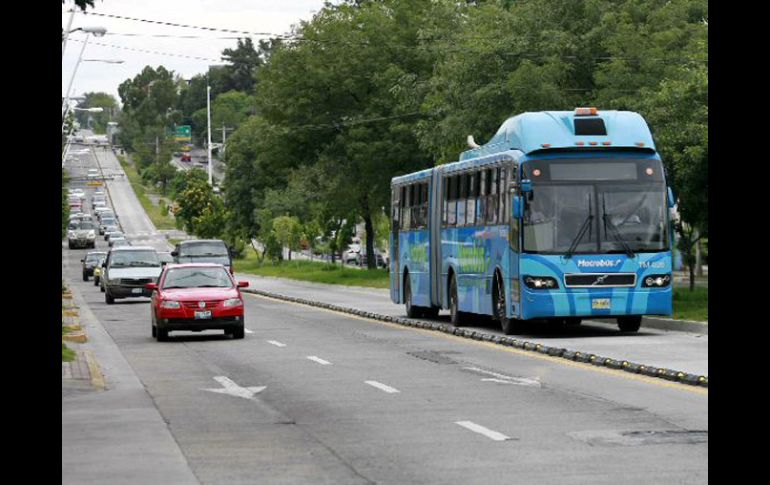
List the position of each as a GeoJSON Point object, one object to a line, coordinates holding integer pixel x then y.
{"type": "Point", "coordinates": [630, 324]}
{"type": "Point", "coordinates": [455, 315]}
{"type": "Point", "coordinates": [508, 325]}
{"type": "Point", "coordinates": [411, 310]}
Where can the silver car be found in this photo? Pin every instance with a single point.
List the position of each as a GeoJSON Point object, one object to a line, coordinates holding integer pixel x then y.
{"type": "Point", "coordinates": [127, 270]}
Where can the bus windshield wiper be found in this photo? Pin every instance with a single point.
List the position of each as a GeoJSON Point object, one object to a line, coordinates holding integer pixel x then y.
{"type": "Point", "coordinates": [581, 232]}
{"type": "Point", "coordinates": [615, 232]}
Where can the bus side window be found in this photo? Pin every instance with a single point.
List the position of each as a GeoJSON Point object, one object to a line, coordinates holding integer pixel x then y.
{"type": "Point", "coordinates": [463, 195]}
{"type": "Point", "coordinates": [470, 210]}
{"type": "Point", "coordinates": [425, 197]}
{"type": "Point", "coordinates": [452, 206]}
{"type": "Point", "coordinates": [492, 196]}
{"type": "Point", "coordinates": [444, 200]}
{"type": "Point", "coordinates": [395, 207]}
{"type": "Point", "coordinates": [477, 201]}
{"type": "Point", "coordinates": [415, 206]}
{"type": "Point", "coordinates": [481, 216]}
{"type": "Point", "coordinates": [503, 192]}
{"type": "Point", "coordinates": [407, 217]}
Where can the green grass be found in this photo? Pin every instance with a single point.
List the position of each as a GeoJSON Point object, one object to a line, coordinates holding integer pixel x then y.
{"type": "Point", "coordinates": [67, 355]}
{"type": "Point", "coordinates": [159, 218]}
{"type": "Point", "coordinates": [691, 305]}
{"type": "Point", "coordinates": [311, 271]}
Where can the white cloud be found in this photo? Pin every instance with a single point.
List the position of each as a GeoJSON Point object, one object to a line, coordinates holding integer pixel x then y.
{"type": "Point", "coordinates": [269, 16]}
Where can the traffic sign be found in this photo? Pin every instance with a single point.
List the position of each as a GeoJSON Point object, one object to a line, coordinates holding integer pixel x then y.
{"type": "Point", "coordinates": [183, 133]}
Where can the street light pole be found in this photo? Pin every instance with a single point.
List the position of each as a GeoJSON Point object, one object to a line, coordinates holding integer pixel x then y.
{"type": "Point", "coordinates": [208, 109]}
{"type": "Point", "coordinates": [67, 33]}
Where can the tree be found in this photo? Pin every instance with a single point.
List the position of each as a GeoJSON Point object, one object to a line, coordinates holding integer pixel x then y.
{"type": "Point", "coordinates": [243, 62]}
{"type": "Point", "coordinates": [99, 120]}
{"type": "Point", "coordinates": [288, 232]}
{"type": "Point", "coordinates": [198, 208]}
{"type": "Point", "coordinates": [333, 95]}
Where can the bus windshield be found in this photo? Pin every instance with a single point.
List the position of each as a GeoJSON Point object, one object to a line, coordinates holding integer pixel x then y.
{"type": "Point", "coordinates": [599, 207]}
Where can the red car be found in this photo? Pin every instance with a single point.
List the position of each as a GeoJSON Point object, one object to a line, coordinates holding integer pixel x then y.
{"type": "Point", "coordinates": [196, 297]}
{"type": "Point", "coordinates": [186, 157]}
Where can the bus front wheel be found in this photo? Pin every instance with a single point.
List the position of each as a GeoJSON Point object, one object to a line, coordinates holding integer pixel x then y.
{"type": "Point", "coordinates": [508, 325]}
{"type": "Point", "coordinates": [630, 324]}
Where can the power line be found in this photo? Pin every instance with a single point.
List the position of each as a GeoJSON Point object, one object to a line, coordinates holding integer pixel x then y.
{"type": "Point", "coordinates": [173, 24]}
{"type": "Point", "coordinates": [151, 52]}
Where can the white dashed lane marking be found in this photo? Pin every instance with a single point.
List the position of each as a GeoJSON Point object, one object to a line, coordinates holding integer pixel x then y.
{"type": "Point", "coordinates": [276, 343]}
{"type": "Point", "coordinates": [477, 428]}
{"type": "Point", "coordinates": [318, 360]}
{"type": "Point", "coordinates": [382, 387]}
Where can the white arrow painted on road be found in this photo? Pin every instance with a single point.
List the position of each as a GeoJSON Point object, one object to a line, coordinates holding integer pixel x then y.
{"type": "Point", "coordinates": [504, 379]}
{"type": "Point", "coordinates": [230, 387]}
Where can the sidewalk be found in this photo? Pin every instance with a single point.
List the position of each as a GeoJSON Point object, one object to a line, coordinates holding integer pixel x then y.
{"type": "Point", "coordinates": [111, 430]}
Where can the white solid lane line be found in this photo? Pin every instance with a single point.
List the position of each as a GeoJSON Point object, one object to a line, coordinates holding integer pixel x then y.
{"type": "Point", "coordinates": [320, 361]}
{"type": "Point", "coordinates": [276, 343]}
{"type": "Point", "coordinates": [494, 435]}
{"type": "Point", "coordinates": [247, 330]}
{"type": "Point", "coordinates": [382, 387]}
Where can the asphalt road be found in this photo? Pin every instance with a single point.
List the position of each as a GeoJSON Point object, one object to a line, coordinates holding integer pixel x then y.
{"type": "Point", "coordinates": [348, 400]}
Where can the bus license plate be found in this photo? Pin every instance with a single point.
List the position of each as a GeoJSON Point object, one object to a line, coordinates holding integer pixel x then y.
{"type": "Point", "coordinates": [202, 315]}
{"type": "Point", "coordinates": [600, 304]}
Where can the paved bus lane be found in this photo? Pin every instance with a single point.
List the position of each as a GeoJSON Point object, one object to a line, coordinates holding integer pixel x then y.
{"type": "Point", "coordinates": [327, 424]}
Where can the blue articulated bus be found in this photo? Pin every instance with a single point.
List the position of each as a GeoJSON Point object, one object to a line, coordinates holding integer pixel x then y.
{"type": "Point", "coordinates": [561, 216]}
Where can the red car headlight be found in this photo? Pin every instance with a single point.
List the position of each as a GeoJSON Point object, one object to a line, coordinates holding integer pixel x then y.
{"type": "Point", "coordinates": [232, 302]}
{"type": "Point", "coordinates": [170, 304]}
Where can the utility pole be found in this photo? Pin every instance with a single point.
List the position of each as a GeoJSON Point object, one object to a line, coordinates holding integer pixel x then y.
{"type": "Point", "coordinates": [224, 141]}
{"type": "Point", "coordinates": [208, 109]}
{"type": "Point", "coordinates": [157, 151]}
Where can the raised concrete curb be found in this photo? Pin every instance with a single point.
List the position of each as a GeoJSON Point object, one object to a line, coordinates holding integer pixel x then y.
{"type": "Point", "coordinates": [691, 326]}
{"type": "Point", "coordinates": [597, 360]}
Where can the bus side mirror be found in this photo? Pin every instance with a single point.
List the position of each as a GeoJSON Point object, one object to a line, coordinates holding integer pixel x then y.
{"type": "Point", "coordinates": [671, 200]}
{"type": "Point", "coordinates": [526, 186]}
{"type": "Point", "coordinates": [518, 206]}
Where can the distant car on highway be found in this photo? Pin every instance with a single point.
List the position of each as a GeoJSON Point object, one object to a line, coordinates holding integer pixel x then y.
{"type": "Point", "coordinates": [93, 173]}
{"type": "Point", "coordinates": [110, 229]}
{"type": "Point", "coordinates": [117, 243]}
{"type": "Point", "coordinates": [203, 251]}
{"type": "Point", "coordinates": [90, 262]}
{"type": "Point", "coordinates": [105, 222]}
{"type": "Point", "coordinates": [186, 157]}
{"type": "Point", "coordinates": [196, 297]}
{"type": "Point", "coordinates": [352, 254]}
{"type": "Point", "coordinates": [81, 234]}
{"type": "Point", "coordinates": [127, 270]}
{"type": "Point", "coordinates": [114, 236]}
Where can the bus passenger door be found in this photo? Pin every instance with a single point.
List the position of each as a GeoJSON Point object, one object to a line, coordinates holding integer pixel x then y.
{"type": "Point", "coordinates": [395, 267]}
{"type": "Point", "coordinates": [434, 234]}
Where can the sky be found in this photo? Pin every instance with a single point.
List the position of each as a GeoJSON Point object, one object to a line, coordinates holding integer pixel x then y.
{"type": "Point", "coordinates": [257, 16]}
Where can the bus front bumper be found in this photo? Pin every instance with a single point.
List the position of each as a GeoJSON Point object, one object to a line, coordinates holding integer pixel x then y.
{"type": "Point", "coordinates": [598, 303]}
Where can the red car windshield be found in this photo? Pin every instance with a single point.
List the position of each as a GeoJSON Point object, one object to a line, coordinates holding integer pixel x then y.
{"type": "Point", "coordinates": [197, 277]}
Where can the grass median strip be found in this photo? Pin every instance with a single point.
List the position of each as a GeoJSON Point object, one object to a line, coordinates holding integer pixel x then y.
{"type": "Point", "coordinates": [691, 305]}
{"type": "Point", "coordinates": [159, 219]}
{"type": "Point", "coordinates": [316, 272]}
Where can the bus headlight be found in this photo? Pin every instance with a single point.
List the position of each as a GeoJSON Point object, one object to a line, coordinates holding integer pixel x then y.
{"type": "Point", "coordinates": [540, 282]}
{"type": "Point", "coordinates": [656, 281]}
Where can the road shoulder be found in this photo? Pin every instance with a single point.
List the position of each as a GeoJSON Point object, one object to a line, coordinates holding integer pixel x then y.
{"type": "Point", "coordinates": [111, 435]}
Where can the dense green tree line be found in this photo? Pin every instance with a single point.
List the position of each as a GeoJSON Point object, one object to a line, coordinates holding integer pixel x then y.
{"type": "Point", "coordinates": [367, 90]}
